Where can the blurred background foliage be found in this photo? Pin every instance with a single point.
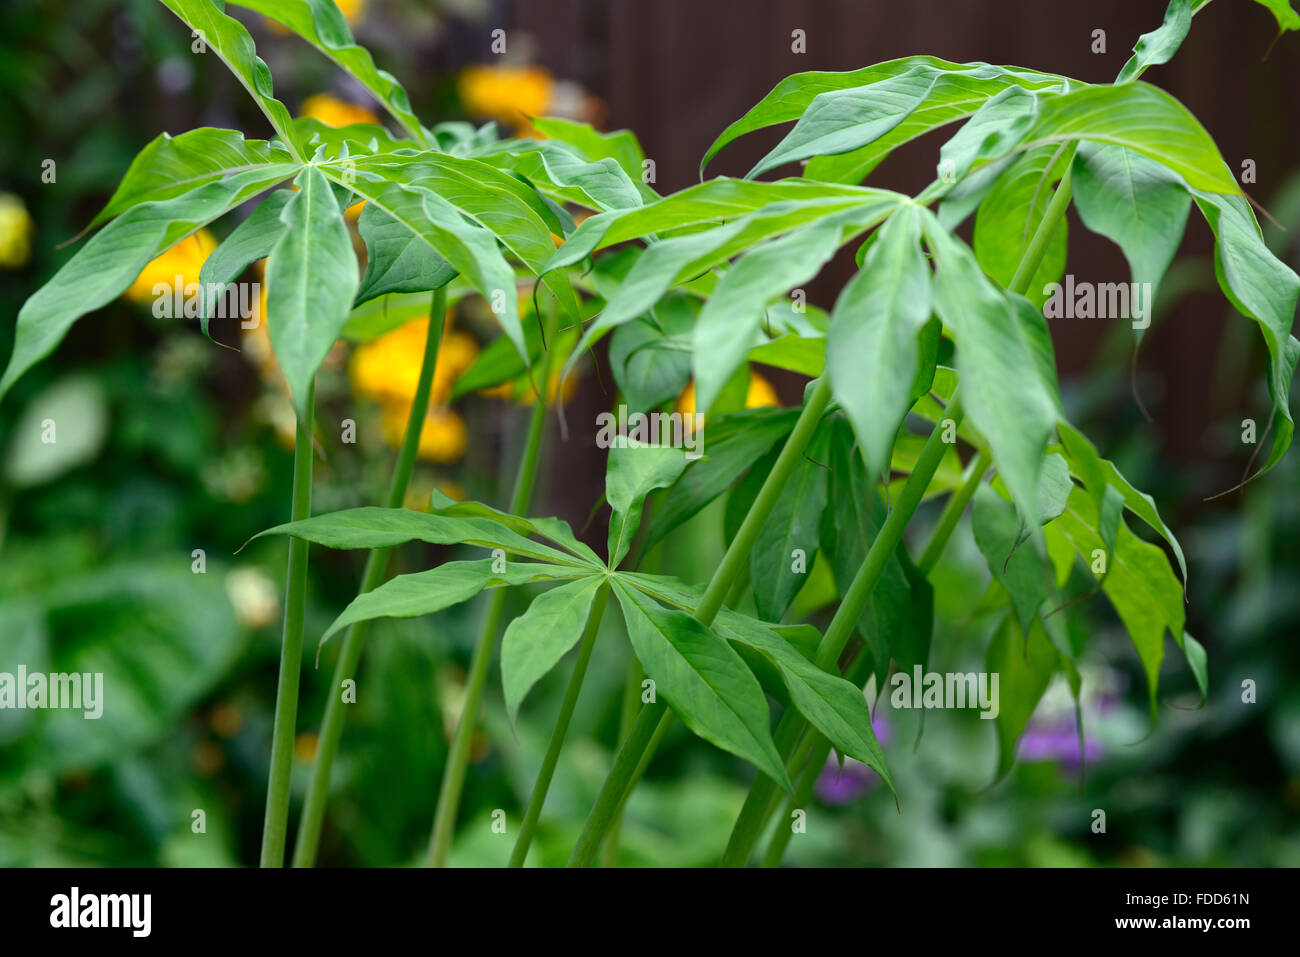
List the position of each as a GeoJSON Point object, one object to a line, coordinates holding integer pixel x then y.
{"type": "Point", "coordinates": [169, 444]}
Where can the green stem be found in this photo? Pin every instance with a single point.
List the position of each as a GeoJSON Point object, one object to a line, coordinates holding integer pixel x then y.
{"type": "Point", "coordinates": [952, 512]}
{"type": "Point", "coordinates": [754, 812]}
{"type": "Point", "coordinates": [331, 729]}
{"type": "Point", "coordinates": [816, 757]}
{"type": "Point", "coordinates": [627, 714]}
{"type": "Point", "coordinates": [544, 775]}
{"type": "Point", "coordinates": [1038, 243]}
{"type": "Point", "coordinates": [619, 781]}
{"type": "Point", "coordinates": [453, 777]}
{"type": "Point", "coordinates": [811, 754]}
{"type": "Point", "coordinates": [276, 826]}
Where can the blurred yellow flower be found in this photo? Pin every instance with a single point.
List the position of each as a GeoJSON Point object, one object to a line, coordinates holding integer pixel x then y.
{"type": "Point", "coordinates": [508, 93]}
{"type": "Point", "coordinates": [443, 436]}
{"type": "Point", "coordinates": [352, 11]}
{"type": "Point", "coordinates": [332, 111]}
{"type": "Point", "coordinates": [760, 394]}
{"type": "Point", "coordinates": [185, 259]}
{"type": "Point", "coordinates": [387, 368]}
{"type": "Point", "coordinates": [15, 232]}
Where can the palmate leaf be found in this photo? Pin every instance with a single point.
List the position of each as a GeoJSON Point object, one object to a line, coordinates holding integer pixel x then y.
{"type": "Point", "coordinates": [732, 444]}
{"type": "Point", "coordinates": [1159, 45]}
{"type": "Point", "coordinates": [703, 680]}
{"type": "Point", "coordinates": [535, 642]}
{"type": "Point", "coordinates": [554, 529]}
{"type": "Point", "coordinates": [650, 356]}
{"type": "Point", "coordinates": [1133, 201]}
{"type": "Point", "coordinates": [621, 146]}
{"type": "Point", "coordinates": [251, 240]}
{"type": "Point", "coordinates": [898, 622]}
{"type": "Point", "coordinates": [792, 527]}
{"type": "Point", "coordinates": [600, 184]}
{"type": "Point", "coordinates": [397, 260]}
{"type": "Point", "coordinates": [466, 246]}
{"type": "Point", "coordinates": [227, 37]}
{"type": "Point", "coordinates": [1024, 662]}
{"type": "Point", "coordinates": [1138, 580]}
{"type": "Point", "coordinates": [831, 704]}
{"type": "Point", "coordinates": [374, 527]}
{"type": "Point", "coordinates": [872, 346]}
{"type": "Point", "coordinates": [1005, 386]}
{"type": "Point", "coordinates": [321, 23]}
{"type": "Point", "coordinates": [112, 259]}
{"type": "Point", "coordinates": [633, 472]}
{"type": "Point", "coordinates": [510, 209]}
{"type": "Point", "coordinates": [958, 90]}
{"type": "Point", "coordinates": [682, 257]}
{"type": "Point", "coordinates": [1014, 563]}
{"type": "Point", "coordinates": [1261, 287]}
{"type": "Point", "coordinates": [172, 165]}
{"type": "Point", "coordinates": [423, 593]}
{"type": "Point", "coordinates": [1011, 213]}
{"type": "Point", "coordinates": [1140, 117]}
{"type": "Point", "coordinates": [311, 279]}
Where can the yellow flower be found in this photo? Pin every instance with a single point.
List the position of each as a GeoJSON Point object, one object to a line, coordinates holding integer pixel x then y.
{"type": "Point", "coordinates": [509, 93]}
{"type": "Point", "coordinates": [185, 259]}
{"type": "Point", "coordinates": [332, 111]}
{"type": "Point", "coordinates": [15, 232]}
{"type": "Point", "coordinates": [352, 11]}
{"type": "Point", "coordinates": [443, 436]}
{"type": "Point", "coordinates": [760, 394]}
{"type": "Point", "coordinates": [388, 368]}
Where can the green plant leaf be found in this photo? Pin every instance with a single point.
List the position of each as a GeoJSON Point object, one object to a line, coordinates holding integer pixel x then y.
{"type": "Point", "coordinates": [599, 184]}
{"type": "Point", "coordinates": [703, 680]}
{"type": "Point", "coordinates": [650, 356]}
{"type": "Point", "coordinates": [374, 527]}
{"type": "Point", "coordinates": [229, 40]}
{"type": "Point", "coordinates": [1136, 203]}
{"type": "Point", "coordinates": [1015, 412]}
{"type": "Point", "coordinates": [1140, 117]}
{"type": "Point", "coordinates": [535, 642]}
{"type": "Point", "coordinates": [1010, 214]}
{"type": "Point", "coordinates": [1099, 475]}
{"type": "Point", "coordinates": [999, 535]}
{"type": "Point", "coordinates": [786, 546]}
{"type": "Point", "coordinates": [837, 121]}
{"type": "Point", "coordinates": [112, 259]}
{"type": "Point", "coordinates": [731, 444]}
{"type": "Point", "coordinates": [729, 322]}
{"type": "Point", "coordinates": [468, 247]}
{"type": "Point", "coordinates": [1024, 663]}
{"type": "Point", "coordinates": [172, 165]}
{"type": "Point", "coordinates": [633, 472]}
{"type": "Point", "coordinates": [621, 146]}
{"type": "Point", "coordinates": [554, 529]}
{"type": "Point", "coordinates": [1159, 45]}
{"type": "Point", "coordinates": [251, 240]}
{"type": "Point", "coordinates": [1261, 287]}
{"type": "Point", "coordinates": [1138, 580]}
{"type": "Point", "coordinates": [321, 23]}
{"type": "Point", "coordinates": [423, 593]}
{"type": "Point", "coordinates": [311, 279]}
{"type": "Point", "coordinates": [397, 260]}
{"type": "Point", "coordinates": [872, 345]}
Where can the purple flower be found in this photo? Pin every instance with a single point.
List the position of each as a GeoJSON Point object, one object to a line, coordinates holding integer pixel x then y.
{"type": "Point", "coordinates": [844, 785]}
{"type": "Point", "coordinates": [1057, 741]}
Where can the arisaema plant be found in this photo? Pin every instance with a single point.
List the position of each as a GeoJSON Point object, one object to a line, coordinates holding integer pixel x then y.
{"type": "Point", "coordinates": [931, 332]}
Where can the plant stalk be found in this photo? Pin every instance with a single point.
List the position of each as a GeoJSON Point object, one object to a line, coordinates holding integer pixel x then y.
{"type": "Point", "coordinates": [276, 825]}
{"type": "Point", "coordinates": [628, 759]}
{"type": "Point", "coordinates": [952, 512]}
{"type": "Point", "coordinates": [547, 771]}
{"type": "Point", "coordinates": [754, 812]}
{"type": "Point", "coordinates": [331, 729]}
{"type": "Point", "coordinates": [453, 778]}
